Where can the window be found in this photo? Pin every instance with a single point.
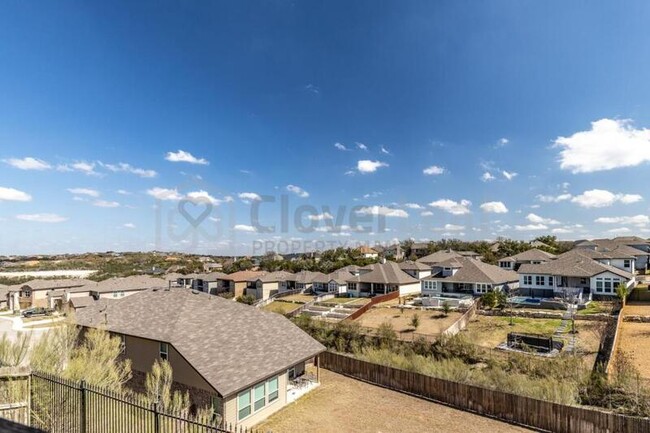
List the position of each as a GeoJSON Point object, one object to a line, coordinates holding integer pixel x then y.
{"type": "Point", "coordinates": [483, 287]}
{"type": "Point", "coordinates": [539, 280]}
{"type": "Point", "coordinates": [608, 285]}
{"type": "Point", "coordinates": [272, 389]}
{"type": "Point", "coordinates": [550, 281]}
{"type": "Point", "coordinates": [259, 394]}
{"type": "Point", "coordinates": [599, 284]}
{"type": "Point", "coordinates": [164, 351]}
{"type": "Point", "coordinates": [626, 263]}
{"type": "Point", "coordinates": [244, 404]}
{"type": "Point", "coordinates": [528, 279]}
{"type": "Point", "coordinates": [291, 373]}
{"type": "Point", "coordinates": [26, 293]}
{"type": "Point", "coordinates": [583, 281]}
{"type": "Point", "coordinates": [430, 285]}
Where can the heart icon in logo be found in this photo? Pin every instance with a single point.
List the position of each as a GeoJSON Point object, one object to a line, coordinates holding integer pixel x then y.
{"type": "Point", "coordinates": [195, 221]}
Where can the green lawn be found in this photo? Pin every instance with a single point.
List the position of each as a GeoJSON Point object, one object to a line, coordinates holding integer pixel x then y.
{"type": "Point", "coordinates": [593, 307]}
{"type": "Point", "coordinates": [281, 307]}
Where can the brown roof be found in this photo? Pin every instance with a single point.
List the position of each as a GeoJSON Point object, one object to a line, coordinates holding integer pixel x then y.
{"type": "Point", "coordinates": [475, 271]}
{"type": "Point", "coordinates": [575, 263]}
{"type": "Point", "coordinates": [86, 301]}
{"type": "Point", "coordinates": [364, 249]}
{"type": "Point", "coordinates": [384, 273]}
{"type": "Point", "coordinates": [60, 283]}
{"type": "Point", "coordinates": [410, 265]}
{"type": "Point", "coordinates": [239, 345]}
{"type": "Point", "coordinates": [306, 277]}
{"type": "Point", "coordinates": [136, 282]}
{"type": "Point", "coordinates": [273, 277]}
{"type": "Point", "coordinates": [240, 276]}
{"type": "Point", "coordinates": [442, 255]}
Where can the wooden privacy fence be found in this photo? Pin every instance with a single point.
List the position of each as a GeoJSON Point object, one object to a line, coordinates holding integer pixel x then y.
{"type": "Point", "coordinates": [373, 301]}
{"type": "Point", "coordinates": [512, 408]}
{"type": "Point", "coordinates": [14, 394]}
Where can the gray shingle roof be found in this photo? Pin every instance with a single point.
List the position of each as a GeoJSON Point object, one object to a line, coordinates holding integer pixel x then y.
{"type": "Point", "coordinates": [530, 255]}
{"type": "Point", "coordinates": [136, 282]}
{"type": "Point", "coordinates": [306, 277]}
{"type": "Point", "coordinates": [410, 265]}
{"type": "Point", "coordinates": [273, 277]}
{"type": "Point", "coordinates": [476, 271]}
{"type": "Point", "coordinates": [386, 273]}
{"type": "Point", "coordinates": [230, 344]}
{"type": "Point", "coordinates": [575, 263]}
{"type": "Point", "coordinates": [441, 256]}
{"type": "Point", "coordinates": [61, 283]}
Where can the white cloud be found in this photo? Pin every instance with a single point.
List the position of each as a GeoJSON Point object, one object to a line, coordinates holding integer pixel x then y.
{"type": "Point", "coordinates": [554, 199]}
{"type": "Point", "coordinates": [361, 146]}
{"type": "Point", "coordinates": [249, 196]}
{"type": "Point", "coordinates": [508, 175]}
{"type": "Point", "coordinates": [11, 194]}
{"type": "Point", "coordinates": [382, 211]}
{"type": "Point", "coordinates": [123, 192]}
{"type": "Point", "coordinates": [609, 144]}
{"type": "Point", "coordinates": [42, 218]}
{"type": "Point", "coordinates": [321, 217]}
{"type": "Point", "coordinates": [487, 177]}
{"type": "Point", "coordinates": [451, 206]}
{"type": "Point", "coordinates": [494, 207]}
{"type": "Point", "coordinates": [561, 230]}
{"type": "Point", "coordinates": [128, 168]}
{"type": "Point", "coordinates": [28, 163]}
{"type": "Point", "coordinates": [384, 150]}
{"type": "Point", "coordinates": [531, 227]}
{"type": "Point", "coordinates": [104, 203]}
{"type": "Point", "coordinates": [638, 220]}
{"type": "Point", "coordinates": [182, 156]}
{"type": "Point", "coordinates": [502, 142]}
{"type": "Point", "coordinates": [164, 194]}
{"type": "Point", "coordinates": [434, 170]}
{"type": "Point", "coordinates": [536, 219]}
{"type": "Point", "coordinates": [129, 226]}
{"type": "Point", "coordinates": [244, 228]}
{"type": "Point", "coordinates": [603, 198]}
{"type": "Point", "coordinates": [84, 167]}
{"type": "Point", "coordinates": [619, 230]}
{"type": "Point", "coordinates": [297, 191]}
{"type": "Point", "coordinates": [340, 146]}
{"type": "Point", "coordinates": [451, 228]}
{"type": "Point", "coordinates": [413, 206]}
{"type": "Point", "coordinates": [202, 197]}
{"type": "Point", "coordinates": [426, 213]}
{"type": "Point", "coordinates": [367, 166]}
{"type": "Point", "coordinates": [84, 191]}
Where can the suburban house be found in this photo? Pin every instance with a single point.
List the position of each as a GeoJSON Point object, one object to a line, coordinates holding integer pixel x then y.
{"type": "Point", "coordinates": [34, 293]}
{"type": "Point", "coordinates": [419, 248]}
{"type": "Point", "coordinates": [533, 256]}
{"type": "Point", "coordinates": [334, 282]}
{"type": "Point", "coordinates": [243, 363]}
{"type": "Point", "coordinates": [415, 269]}
{"type": "Point", "coordinates": [573, 273]}
{"type": "Point", "coordinates": [394, 252]}
{"type": "Point", "coordinates": [443, 255]}
{"type": "Point", "coordinates": [621, 248]}
{"type": "Point", "coordinates": [115, 288]}
{"type": "Point", "coordinates": [271, 283]}
{"type": "Point", "coordinates": [305, 280]}
{"type": "Point", "coordinates": [468, 275]}
{"type": "Point", "coordinates": [382, 278]}
{"type": "Point", "coordinates": [210, 283]}
{"type": "Point", "coordinates": [237, 282]}
{"type": "Point", "coordinates": [353, 269]}
{"type": "Point", "coordinates": [367, 252]}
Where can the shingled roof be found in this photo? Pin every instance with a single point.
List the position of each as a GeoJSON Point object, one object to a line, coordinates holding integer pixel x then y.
{"type": "Point", "coordinates": [60, 283]}
{"type": "Point", "coordinates": [575, 263]}
{"type": "Point", "coordinates": [241, 276]}
{"type": "Point", "coordinates": [475, 271]}
{"type": "Point", "coordinates": [384, 273]}
{"type": "Point", "coordinates": [442, 255]}
{"type": "Point", "coordinates": [135, 282]}
{"type": "Point", "coordinates": [237, 346]}
{"type": "Point", "coordinates": [530, 255]}
{"type": "Point", "coordinates": [410, 265]}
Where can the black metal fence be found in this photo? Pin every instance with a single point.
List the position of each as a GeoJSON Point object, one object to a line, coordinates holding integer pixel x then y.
{"type": "Point", "coordinates": [65, 406]}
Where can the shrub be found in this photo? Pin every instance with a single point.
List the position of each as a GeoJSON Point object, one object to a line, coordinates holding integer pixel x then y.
{"type": "Point", "coordinates": [415, 321]}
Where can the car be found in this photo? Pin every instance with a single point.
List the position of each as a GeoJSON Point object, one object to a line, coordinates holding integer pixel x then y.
{"type": "Point", "coordinates": [36, 311]}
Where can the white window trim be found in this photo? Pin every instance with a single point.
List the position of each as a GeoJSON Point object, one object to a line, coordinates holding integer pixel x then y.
{"type": "Point", "coordinates": [163, 352]}
{"type": "Point", "coordinates": [251, 397]}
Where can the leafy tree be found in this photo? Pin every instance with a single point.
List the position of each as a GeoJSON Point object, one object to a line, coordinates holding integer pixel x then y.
{"type": "Point", "coordinates": [489, 300]}
{"type": "Point", "coordinates": [246, 299]}
{"type": "Point", "coordinates": [446, 308]}
{"type": "Point", "coordinates": [415, 321]}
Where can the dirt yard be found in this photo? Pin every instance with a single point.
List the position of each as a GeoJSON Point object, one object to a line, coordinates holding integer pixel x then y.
{"type": "Point", "coordinates": [344, 405]}
{"type": "Point", "coordinates": [281, 307]}
{"type": "Point", "coordinates": [432, 322]}
{"type": "Point", "coordinates": [634, 338]}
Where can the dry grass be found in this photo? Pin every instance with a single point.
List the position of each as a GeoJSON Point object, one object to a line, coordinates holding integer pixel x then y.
{"type": "Point", "coordinates": [345, 405]}
{"type": "Point", "coordinates": [281, 307]}
{"type": "Point", "coordinates": [431, 322]}
{"type": "Point", "coordinates": [299, 298]}
{"type": "Point", "coordinates": [360, 301]}
{"type": "Point", "coordinates": [490, 331]}
{"type": "Point", "coordinates": [634, 339]}
{"type": "Point", "coordinates": [637, 309]}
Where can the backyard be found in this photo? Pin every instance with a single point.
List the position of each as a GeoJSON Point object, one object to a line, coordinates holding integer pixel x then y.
{"type": "Point", "coordinates": [281, 307]}
{"type": "Point", "coordinates": [341, 405]}
{"type": "Point", "coordinates": [634, 338]}
{"type": "Point", "coordinates": [432, 322]}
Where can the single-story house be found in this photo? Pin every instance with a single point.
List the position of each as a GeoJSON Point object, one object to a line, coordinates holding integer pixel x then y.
{"type": "Point", "coordinates": [368, 252]}
{"type": "Point", "coordinates": [238, 282]}
{"type": "Point", "coordinates": [115, 288]}
{"type": "Point", "coordinates": [76, 304]}
{"type": "Point", "coordinates": [334, 282]}
{"type": "Point", "coordinates": [305, 280]}
{"type": "Point", "coordinates": [241, 364]}
{"type": "Point", "coordinates": [571, 273]}
{"type": "Point", "coordinates": [382, 278]}
{"type": "Point", "coordinates": [271, 283]}
{"type": "Point", "coordinates": [468, 275]}
{"type": "Point", "coordinates": [533, 256]}
{"type": "Point", "coordinates": [34, 293]}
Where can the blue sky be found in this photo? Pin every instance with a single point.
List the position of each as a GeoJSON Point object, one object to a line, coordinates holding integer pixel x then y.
{"type": "Point", "coordinates": [143, 125]}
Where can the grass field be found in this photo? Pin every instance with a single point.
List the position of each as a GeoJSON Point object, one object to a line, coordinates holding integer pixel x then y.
{"type": "Point", "coordinates": [281, 307]}
{"type": "Point", "coordinates": [431, 322]}
{"type": "Point", "coordinates": [490, 331]}
{"type": "Point", "coordinates": [299, 298]}
{"type": "Point", "coordinates": [344, 405]}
